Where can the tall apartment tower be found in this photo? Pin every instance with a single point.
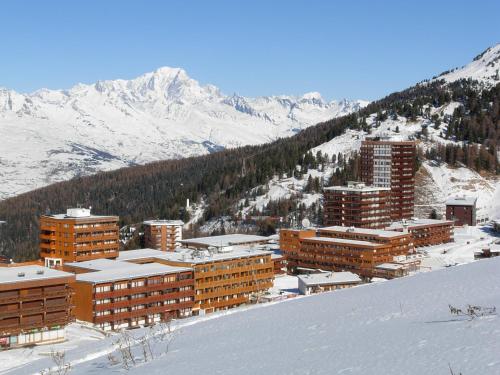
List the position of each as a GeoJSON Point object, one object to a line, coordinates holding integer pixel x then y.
{"type": "Point", "coordinates": [357, 205]}
{"type": "Point", "coordinates": [391, 164]}
{"type": "Point", "coordinates": [78, 236]}
{"type": "Point", "coordinates": [163, 235]}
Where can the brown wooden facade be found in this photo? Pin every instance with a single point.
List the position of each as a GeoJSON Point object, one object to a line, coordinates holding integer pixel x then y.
{"type": "Point", "coordinates": [133, 301]}
{"type": "Point", "coordinates": [341, 249]}
{"type": "Point", "coordinates": [391, 164]}
{"type": "Point", "coordinates": [427, 232]}
{"type": "Point", "coordinates": [162, 235]}
{"type": "Point", "coordinates": [226, 282]}
{"type": "Point", "coordinates": [71, 239]}
{"type": "Point", "coordinates": [34, 310]}
{"type": "Point", "coordinates": [357, 206]}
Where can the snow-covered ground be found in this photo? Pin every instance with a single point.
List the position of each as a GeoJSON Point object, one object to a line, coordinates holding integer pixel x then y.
{"type": "Point", "coordinates": [402, 326]}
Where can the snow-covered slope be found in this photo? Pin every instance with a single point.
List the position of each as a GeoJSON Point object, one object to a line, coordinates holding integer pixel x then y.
{"type": "Point", "coordinates": [53, 135]}
{"type": "Point", "coordinates": [484, 68]}
{"type": "Point", "coordinates": [403, 326]}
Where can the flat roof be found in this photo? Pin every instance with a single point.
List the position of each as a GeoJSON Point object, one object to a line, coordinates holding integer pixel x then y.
{"type": "Point", "coordinates": [127, 271]}
{"type": "Point", "coordinates": [96, 264]}
{"type": "Point", "coordinates": [356, 188]}
{"type": "Point", "coordinates": [376, 232]}
{"type": "Point", "coordinates": [9, 275]}
{"type": "Point", "coordinates": [224, 240]}
{"type": "Point", "coordinates": [389, 266]}
{"type": "Point", "coordinates": [163, 222]}
{"type": "Point", "coordinates": [461, 201]}
{"type": "Point", "coordinates": [417, 222]}
{"type": "Point", "coordinates": [81, 218]}
{"type": "Point", "coordinates": [325, 278]}
{"type": "Point", "coordinates": [342, 241]}
{"type": "Point", "coordinates": [190, 256]}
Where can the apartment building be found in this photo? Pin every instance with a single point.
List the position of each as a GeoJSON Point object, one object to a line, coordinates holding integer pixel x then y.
{"type": "Point", "coordinates": [222, 279]}
{"type": "Point", "coordinates": [425, 232]}
{"type": "Point", "coordinates": [77, 236]}
{"type": "Point", "coordinates": [163, 235]}
{"type": "Point", "coordinates": [461, 210]}
{"type": "Point", "coordinates": [356, 250]}
{"type": "Point", "coordinates": [357, 205]}
{"type": "Point", "coordinates": [35, 305]}
{"type": "Point", "coordinates": [391, 164]}
{"type": "Point", "coordinates": [114, 295]}
{"type": "Point", "coordinates": [326, 281]}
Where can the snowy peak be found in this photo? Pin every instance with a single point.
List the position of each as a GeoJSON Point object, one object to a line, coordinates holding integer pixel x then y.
{"type": "Point", "coordinates": [485, 68]}
{"type": "Point", "coordinates": [54, 135]}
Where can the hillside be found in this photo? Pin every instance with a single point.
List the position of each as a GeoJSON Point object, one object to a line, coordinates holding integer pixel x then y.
{"type": "Point", "coordinates": [54, 135]}
{"type": "Point", "coordinates": [456, 124]}
{"type": "Point", "coordinates": [402, 326]}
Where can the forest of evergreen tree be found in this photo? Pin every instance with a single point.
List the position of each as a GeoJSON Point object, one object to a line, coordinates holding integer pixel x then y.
{"type": "Point", "coordinates": [160, 189]}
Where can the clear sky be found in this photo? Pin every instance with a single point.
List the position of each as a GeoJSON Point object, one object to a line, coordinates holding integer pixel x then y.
{"type": "Point", "coordinates": [351, 49]}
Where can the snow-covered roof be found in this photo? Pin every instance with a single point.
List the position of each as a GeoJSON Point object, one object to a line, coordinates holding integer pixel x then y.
{"type": "Point", "coordinates": [190, 256]}
{"type": "Point", "coordinates": [127, 271]}
{"type": "Point", "coordinates": [342, 241]}
{"type": "Point", "coordinates": [10, 275]}
{"type": "Point", "coordinates": [461, 201]}
{"type": "Point", "coordinates": [96, 264]}
{"type": "Point", "coordinates": [164, 222]}
{"type": "Point", "coordinates": [224, 240]}
{"type": "Point", "coordinates": [417, 222]}
{"type": "Point", "coordinates": [356, 187]}
{"type": "Point", "coordinates": [325, 278]}
{"type": "Point", "coordinates": [376, 232]}
{"type": "Point", "coordinates": [389, 266]}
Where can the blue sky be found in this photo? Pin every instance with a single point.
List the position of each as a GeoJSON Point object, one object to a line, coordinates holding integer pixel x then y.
{"type": "Point", "coordinates": [351, 49]}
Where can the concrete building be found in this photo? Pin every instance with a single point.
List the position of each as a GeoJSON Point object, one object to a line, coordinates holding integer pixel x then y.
{"type": "Point", "coordinates": [35, 305]}
{"type": "Point", "coordinates": [391, 164]}
{"type": "Point", "coordinates": [357, 205]}
{"type": "Point", "coordinates": [78, 236]}
{"type": "Point", "coordinates": [114, 295]}
{"type": "Point", "coordinates": [223, 279]}
{"type": "Point", "coordinates": [163, 235]}
{"type": "Point", "coordinates": [461, 210]}
{"type": "Point", "coordinates": [425, 232]}
{"type": "Point", "coordinates": [326, 281]}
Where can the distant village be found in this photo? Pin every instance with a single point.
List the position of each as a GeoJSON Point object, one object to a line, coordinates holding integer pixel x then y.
{"type": "Point", "coordinates": [369, 234]}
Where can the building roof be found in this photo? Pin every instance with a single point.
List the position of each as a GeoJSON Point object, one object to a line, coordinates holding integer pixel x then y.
{"type": "Point", "coordinates": [164, 222]}
{"type": "Point", "coordinates": [96, 264]}
{"type": "Point", "coordinates": [328, 278]}
{"type": "Point", "coordinates": [461, 201]}
{"type": "Point", "coordinates": [343, 241]}
{"type": "Point", "coordinates": [189, 256]}
{"type": "Point", "coordinates": [9, 275]}
{"type": "Point", "coordinates": [356, 187]}
{"type": "Point", "coordinates": [224, 240]}
{"type": "Point", "coordinates": [127, 271]}
{"type": "Point", "coordinates": [375, 232]}
{"type": "Point", "coordinates": [416, 223]}
{"type": "Point", "coordinates": [389, 266]}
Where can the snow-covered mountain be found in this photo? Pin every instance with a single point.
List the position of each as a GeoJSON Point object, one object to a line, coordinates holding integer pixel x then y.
{"type": "Point", "coordinates": [485, 68]}
{"type": "Point", "coordinates": [54, 135]}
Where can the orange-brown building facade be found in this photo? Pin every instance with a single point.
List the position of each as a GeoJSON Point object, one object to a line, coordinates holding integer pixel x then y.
{"type": "Point", "coordinates": [426, 232]}
{"type": "Point", "coordinates": [345, 249]}
{"type": "Point", "coordinates": [123, 295]}
{"type": "Point", "coordinates": [391, 164]}
{"type": "Point", "coordinates": [35, 305]}
{"type": "Point", "coordinates": [78, 236]}
{"type": "Point", "coordinates": [162, 235]}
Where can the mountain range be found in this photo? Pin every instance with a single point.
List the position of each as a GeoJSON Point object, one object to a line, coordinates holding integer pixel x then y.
{"type": "Point", "coordinates": [55, 135]}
